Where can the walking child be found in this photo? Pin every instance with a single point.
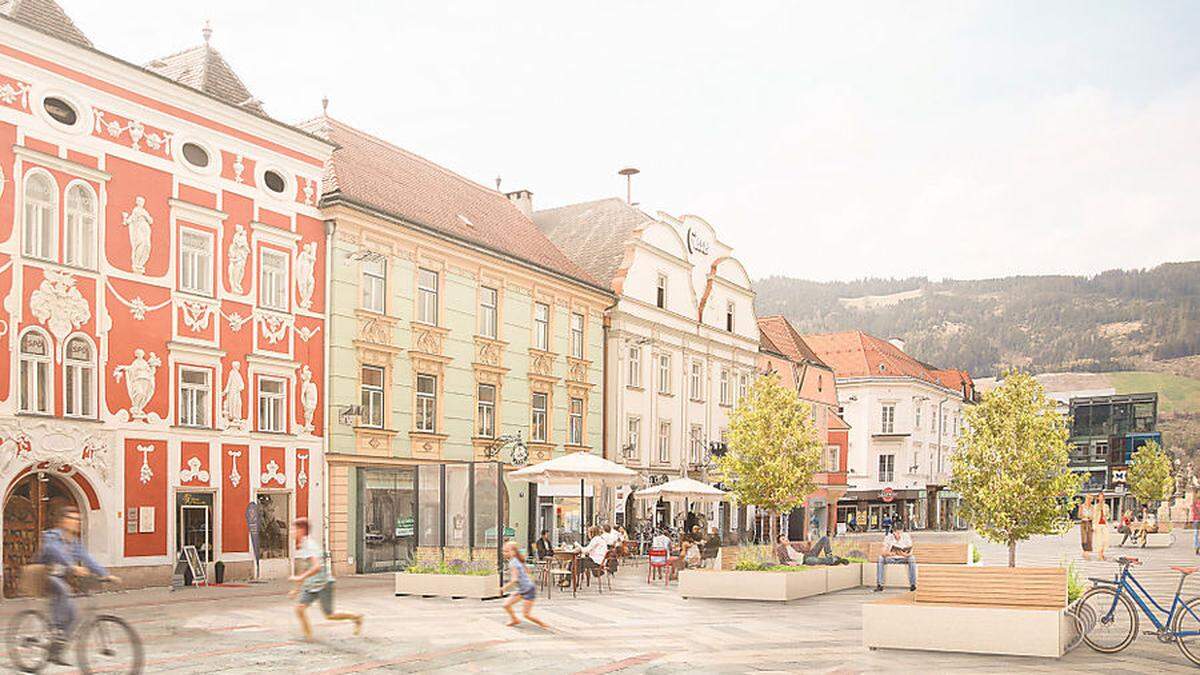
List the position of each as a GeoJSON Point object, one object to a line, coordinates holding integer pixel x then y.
{"type": "Point", "coordinates": [525, 588]}
{"type": "Point", "coordinates": [315, 583]}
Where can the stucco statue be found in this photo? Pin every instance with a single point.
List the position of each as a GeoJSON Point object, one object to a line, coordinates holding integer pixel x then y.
{"type": "Point", "coordinates": [306, 280]}
{"type": "Point", "coordinates": [231, 397]}
{"type": "Point", "coordinates": [308, 397]}
{"type": "Point", "coordinates": [138, 221]}
{"type": "Point", "coordinates": [239, 251]}
{"type": "Point", "coordinates": [139, 381]}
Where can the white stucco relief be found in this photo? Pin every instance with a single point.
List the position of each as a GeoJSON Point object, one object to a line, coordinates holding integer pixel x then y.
{"type": "Point", "coordinates": [138, 221]}
{"type": "Point", "coordinates": [139, 383]}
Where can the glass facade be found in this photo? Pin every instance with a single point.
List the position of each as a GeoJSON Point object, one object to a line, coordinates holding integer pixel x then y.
{"type": "Point", "coordinates": [387, 518]}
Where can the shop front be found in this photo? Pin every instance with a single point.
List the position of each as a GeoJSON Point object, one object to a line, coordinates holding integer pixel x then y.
{"type": "Point", "coordinates": [562, 511]}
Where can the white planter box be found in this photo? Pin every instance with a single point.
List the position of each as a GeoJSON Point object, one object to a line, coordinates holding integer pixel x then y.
{"type": "Point", "coordinates": [900, 623]}
{"type": "Point", "coordinates": [448, 585]}
{"type": "Point", "coordinates": [733, 585]}
{"type": "Point", "coordinates": [843, 577]}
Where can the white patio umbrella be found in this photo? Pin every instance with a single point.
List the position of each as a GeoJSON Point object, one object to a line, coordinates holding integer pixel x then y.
{"type": "Point", "coordinates": [687, 488]}
{"type": "Point", "coordinates": [581, 466]}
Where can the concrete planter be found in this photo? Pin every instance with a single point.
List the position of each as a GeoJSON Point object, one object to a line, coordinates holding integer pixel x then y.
{"type": "Point", "coordinates": [843, 577]}
{"type": "Point", "coordinates": [448, 585]}
{"type": "Point", "coordinates": [734, 585]}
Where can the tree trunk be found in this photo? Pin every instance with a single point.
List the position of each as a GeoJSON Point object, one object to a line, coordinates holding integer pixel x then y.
{"type": "Point", "coordinates": [1012, 554]}
{"type": "Point", "coordinates": [774, 529]}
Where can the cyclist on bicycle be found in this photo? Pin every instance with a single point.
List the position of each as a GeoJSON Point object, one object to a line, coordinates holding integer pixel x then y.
{"type": "Point", "coordinates": [65, 557]}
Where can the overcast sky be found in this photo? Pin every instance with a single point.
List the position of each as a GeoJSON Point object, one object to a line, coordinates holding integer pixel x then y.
{"type": "Point", "coordinates": [957, 139]}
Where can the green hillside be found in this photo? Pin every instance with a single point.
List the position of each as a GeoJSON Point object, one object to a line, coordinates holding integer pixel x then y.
{"type": "Point", "coordinates": [1176, 394]}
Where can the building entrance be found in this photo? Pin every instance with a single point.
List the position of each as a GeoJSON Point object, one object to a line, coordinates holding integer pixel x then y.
{"type": "Point", "coordinates": [27, 510]}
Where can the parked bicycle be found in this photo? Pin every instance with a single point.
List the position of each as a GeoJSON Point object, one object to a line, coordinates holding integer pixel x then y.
{"type": "Point", "coordinates": [103, 642]}
{"type": "Point", "coordinates": [1108, 621]}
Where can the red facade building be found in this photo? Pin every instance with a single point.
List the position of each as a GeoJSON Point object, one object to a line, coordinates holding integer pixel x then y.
{"type": "Point", "coordinates": [162, 265]}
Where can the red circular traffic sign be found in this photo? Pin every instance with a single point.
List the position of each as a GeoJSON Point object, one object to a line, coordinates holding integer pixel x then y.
{"type": "Point", "coordinates": [889, 495]}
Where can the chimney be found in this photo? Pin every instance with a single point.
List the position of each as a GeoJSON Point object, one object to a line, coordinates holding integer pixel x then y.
{"type": "Point", "coordinates": [896, 342]}
{"type": "Point", "coordinates": [523, 199]}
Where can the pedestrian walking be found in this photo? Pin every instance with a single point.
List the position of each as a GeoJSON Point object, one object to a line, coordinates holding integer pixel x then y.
{"type": "Point", "coordinates": [1099, 526]}
{"type": "Point", "coordinates": [1085, 526]}
{"type": "Point", "coordinates": [316, 582]}
{"type": "Point", "coordinates": [526, 590]}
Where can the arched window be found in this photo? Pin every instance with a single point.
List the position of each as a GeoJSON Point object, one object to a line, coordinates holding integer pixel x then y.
{"type": "Point", "coordinates": [35, 382]}
{"type": "Point", "coordinates": [41, 200]}
{"type": "Point", "coordinates": [79, 378]}
{"type": "Point", "coordinates": [80, 244]}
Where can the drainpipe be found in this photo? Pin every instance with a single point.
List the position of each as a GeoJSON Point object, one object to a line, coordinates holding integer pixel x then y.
{"type": "Point", "coordinates": [330, 228]}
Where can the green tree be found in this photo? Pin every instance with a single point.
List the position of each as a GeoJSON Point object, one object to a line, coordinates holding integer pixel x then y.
{"type": "Point", "coordinates": [774, 449]}
{"type": "Point", "coordinates": [1149, 476]}
{"type": "Point", "coordinates": [1011, 468]}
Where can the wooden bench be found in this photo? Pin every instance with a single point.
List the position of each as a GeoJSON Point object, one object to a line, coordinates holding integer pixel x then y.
{"type": "Point", "coordinates": [928, 555]}
{"type": "Point", "coordinates": [983, 610]}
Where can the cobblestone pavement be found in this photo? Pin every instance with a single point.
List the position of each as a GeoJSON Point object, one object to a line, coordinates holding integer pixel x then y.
{"type": "Point", "coordinates": [638, 628]}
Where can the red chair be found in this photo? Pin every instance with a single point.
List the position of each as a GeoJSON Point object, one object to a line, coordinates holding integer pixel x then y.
{"type": "Point", "coordinates": [660, 561]}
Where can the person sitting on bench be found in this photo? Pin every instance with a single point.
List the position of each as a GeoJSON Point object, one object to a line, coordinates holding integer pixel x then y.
{"type": "Point", "coordinates": [897, 550]}
{"type": "Point", "coordinates": [806, 553]}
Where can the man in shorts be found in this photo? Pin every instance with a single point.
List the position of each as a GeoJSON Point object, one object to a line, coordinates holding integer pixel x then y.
{"type": "Point", "coordinates": [316, 583]}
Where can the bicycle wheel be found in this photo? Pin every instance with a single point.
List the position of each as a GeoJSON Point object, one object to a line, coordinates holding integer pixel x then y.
{"type": "Point", "coordinates": [29, 636]}
{"type": "Point", "coordinates": [1187, 620]}
{"type": "Point", "coordinates": [109, 644]}
{"type": "Point", "coordinates": [1115, 624]}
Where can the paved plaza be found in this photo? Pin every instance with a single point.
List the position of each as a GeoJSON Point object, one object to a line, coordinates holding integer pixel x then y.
{"type": "Point", "coordinates": [637, 628]}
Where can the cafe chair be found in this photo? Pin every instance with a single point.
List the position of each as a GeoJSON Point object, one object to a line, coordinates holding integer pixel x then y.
{"type": "Point", "coordinates": [659, 564]}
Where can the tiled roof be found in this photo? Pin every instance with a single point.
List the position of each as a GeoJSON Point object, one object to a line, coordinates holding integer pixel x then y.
{"type": "Point", "coordinates": [836, 423]}
{"type": "Point", "coordinates": [593, 233]}
{"type": "Point", "coordinates": [204, 69]}
{"type": "Point", "coordinates": [371, 172]}
{"type": "Point", "coordinates": [46, 16]}
{"type": "Point", "coordinates": [857, 354]}
{"type": "Point", "coordinates": [786, 339]}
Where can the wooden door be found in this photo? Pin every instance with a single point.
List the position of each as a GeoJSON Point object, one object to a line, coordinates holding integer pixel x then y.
{"type": "Point", "coordinates": [26, 513]}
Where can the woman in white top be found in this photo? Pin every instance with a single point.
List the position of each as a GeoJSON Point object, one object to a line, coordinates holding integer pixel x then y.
{"type": "Point", "coordinates": [593, 554]}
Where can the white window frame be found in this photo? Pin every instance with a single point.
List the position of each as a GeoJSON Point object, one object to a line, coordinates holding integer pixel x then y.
{"type": "Point", "coordinates": [633, 435]}
{"type": "Point", "coordinates": [634, 373]}
{"type": "Point", "coordinates": [35, 375]}
{"type": "Point", "coordinates": [374, 284]}
{"type": "Point", "coordinates": [726, 390]}
{"type": "Point", "coordinates": [664, 441]}
{"type": "Point", "coordinates": [696, 381]}
{"type": "Point", "coordinates": [887, 418]}
{"type": "Point", "coordinates": [730, 316]}
{"type": "Point", "coordinates": [425, 412]}
{"type": "Point", "coordinates": [489, 312]}
{"type": "Point", "coordinates": [79, 227]}
{"type": "Point", "coordinates": [196, 263]}
{"type": "Point", "coordinates": [575, 421]}
{"type": "Point", "coordinates": [661, 288]}
{"type": "Point", "coordinates": [539, 416]}
{"type": "Point", "coordinates": [485, 411]}
{"type": "Point", "coordinates": [272, 406]}
{"type": "Point", "coordinates": [541, 326]}
{"type": "Point", "coordinates": [79, 396]}
{"type": "Point", "coordinates": [38, 239]}
{"type": "Point", "coordinates": [743, 387]}
{"type": "Point", "coordinates": [194, 399]}
{"type": "Point", "coordinates": [577, 328]}
{"type": "Point", "coordinates": [696, 438]}
{"type": "Point", "coordinates": [917, 416]}
{"type": "Point", "coordinates": [887, 468]}
{"type": "Point", "coordinates": [664, 373]}
{"type": "Point", "coordinates": [274, 277]}
{"type": "Point", "coordinates": [428, 296]}
{"type": "Point", "coordinates": [833, 459]}
{"type": "Point", "coordinates": [372, 397]}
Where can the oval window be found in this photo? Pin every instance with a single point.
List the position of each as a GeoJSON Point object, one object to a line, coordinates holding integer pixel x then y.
{"type": "Point", "coordinates": [195, 155]}
{"type": "Point", "coordinates": [274, 181]}
{"type": "Point", "coordinates": [60, 111]}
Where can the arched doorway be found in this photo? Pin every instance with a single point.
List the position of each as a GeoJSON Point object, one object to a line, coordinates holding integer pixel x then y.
{"type": "Point", "coordinates": [27, 510]}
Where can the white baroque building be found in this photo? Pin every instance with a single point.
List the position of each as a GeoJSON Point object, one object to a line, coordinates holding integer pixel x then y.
{"type": "Point", "coordinates": [681, 341]}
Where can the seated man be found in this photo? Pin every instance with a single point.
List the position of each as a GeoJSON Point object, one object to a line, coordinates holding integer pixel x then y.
{"type": "Point", "coordinates": [897, 550]}
{"type": "Point", "coordinates": [786, 554]}
{"type": "Point", "coordinates": [712, 545]}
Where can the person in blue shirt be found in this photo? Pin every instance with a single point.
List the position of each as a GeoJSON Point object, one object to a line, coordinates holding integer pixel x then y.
{"type": "Point", "coordinates": [64, 556]}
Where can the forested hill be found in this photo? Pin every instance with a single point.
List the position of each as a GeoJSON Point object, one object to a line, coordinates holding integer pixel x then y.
{"type": "Point", "coordinates": [1115, 320]}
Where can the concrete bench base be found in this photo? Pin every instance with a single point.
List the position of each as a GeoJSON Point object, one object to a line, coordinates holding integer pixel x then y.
{"type": "Point", "coordinates": [734, 585]}
{"type": "Point", "coordinates": [902, 623]}
{"type": "Point", "coordinates": [842, 577]}
{"type": "Point", "coordinates": [448, 585]}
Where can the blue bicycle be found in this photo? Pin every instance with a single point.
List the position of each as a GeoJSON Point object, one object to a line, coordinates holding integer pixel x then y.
{"type": "Point", "coordinates": [1108, 621]}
